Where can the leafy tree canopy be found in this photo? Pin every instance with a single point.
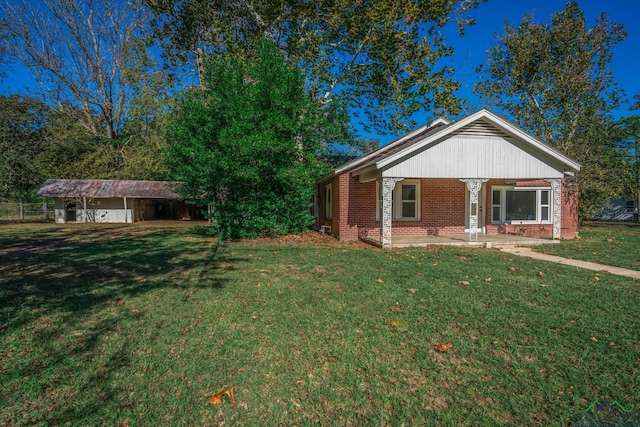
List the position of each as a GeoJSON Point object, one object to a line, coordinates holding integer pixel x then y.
{"type": "Point", "coordinates": [630, 145]}
{"type": "Point", "coordinates": [379, 58]}
{"type": "Point", "coordinates": [21, 121]}
{"type": "Point", "coordinates": [248, 143]}
{"type": "Point", "coordinates": [555, 81]}
{"type": "Point", "coordinates": [91, 54]}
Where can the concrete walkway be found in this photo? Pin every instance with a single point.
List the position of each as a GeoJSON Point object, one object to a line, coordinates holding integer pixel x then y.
{"type": "Point", "coordinates": [527, 252]}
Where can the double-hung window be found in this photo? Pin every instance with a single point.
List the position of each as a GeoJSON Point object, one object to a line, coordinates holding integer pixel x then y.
{"type": "Point", "coordinates": [520, 205]}
{"type": "Point", "coordinates": [405, 200]}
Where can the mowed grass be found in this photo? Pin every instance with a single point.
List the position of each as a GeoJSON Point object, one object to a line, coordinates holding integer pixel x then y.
{"type": "Point", "coordinates": [140, 325]}
{"type": "Point", "coordinates": [616, 245]}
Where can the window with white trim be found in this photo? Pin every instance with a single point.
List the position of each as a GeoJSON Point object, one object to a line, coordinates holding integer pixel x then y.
{"type": "Point", "coordinates": [328, 204]}
{"type": "Point", "coordinates": [520, 205]}
{"type": "Point", "coordinates": [405, 200]}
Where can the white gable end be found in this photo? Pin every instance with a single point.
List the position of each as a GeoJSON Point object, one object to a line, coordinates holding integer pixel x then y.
{"type": "Point", "coordinates": [465, 155]}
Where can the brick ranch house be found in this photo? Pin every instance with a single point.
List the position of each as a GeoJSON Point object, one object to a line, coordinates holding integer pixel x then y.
{"type": "Point", "coordinates": [479, 174]}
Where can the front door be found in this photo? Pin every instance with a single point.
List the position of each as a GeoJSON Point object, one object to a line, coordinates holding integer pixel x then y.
{"type": "Point", "coordinates": [478, 211]}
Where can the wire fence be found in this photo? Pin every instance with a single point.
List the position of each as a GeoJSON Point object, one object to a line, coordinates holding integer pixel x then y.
{"type": "Point", "coordinates": [33, 212]}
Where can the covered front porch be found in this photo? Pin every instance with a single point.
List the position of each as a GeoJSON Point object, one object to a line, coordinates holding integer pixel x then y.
{"type": "Point", "coordinates": [486, 217]}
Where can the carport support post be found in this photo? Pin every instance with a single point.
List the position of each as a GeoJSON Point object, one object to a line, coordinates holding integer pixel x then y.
{"type": "Point", "coordinates": [556, 186]}
{"type": "Point", "coordinates": [126, 219]}
{"type": "Point", "coordinates": [388, 184]}
{"type": "Point", "coordinates": [84, 209]}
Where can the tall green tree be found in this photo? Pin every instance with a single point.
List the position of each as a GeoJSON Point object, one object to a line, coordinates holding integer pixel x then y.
{"type": "Point", "coordinates": [248, 144]}
{"type": "Point", "coordinates": [379, 58]}
{"type": "Point", "coordinates": [69, 150]}
{"type": "Point", "coordinates": [87, 53]}
{"type": "Point", "coordinates": [630, 145]}
{"type": "Point", "coordinates": [555, 80]}
{"type": "Point", "coordinates": [21, 121]}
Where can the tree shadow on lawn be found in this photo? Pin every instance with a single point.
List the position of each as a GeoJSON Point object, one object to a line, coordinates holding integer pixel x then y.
{"type": "Point", "coordinates": [62, 300]}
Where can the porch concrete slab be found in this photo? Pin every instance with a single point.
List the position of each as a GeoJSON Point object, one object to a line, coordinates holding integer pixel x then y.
{"type": "Point", "coordinates": [484, 240]}
{"type": "Point", "coordinates": [529, 253]}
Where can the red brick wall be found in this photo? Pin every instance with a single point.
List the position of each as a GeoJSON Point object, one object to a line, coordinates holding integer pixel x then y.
{"type": "Point", "coordinates": [442, 210]}
{"type": "Point", "coordinates": [569, 223]}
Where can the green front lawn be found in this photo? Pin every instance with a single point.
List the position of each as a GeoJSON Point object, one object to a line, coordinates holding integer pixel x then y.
{"type": "Point", "coordinates": [140, 324]}
{"type": "Point", "coordinates": [615, 245]}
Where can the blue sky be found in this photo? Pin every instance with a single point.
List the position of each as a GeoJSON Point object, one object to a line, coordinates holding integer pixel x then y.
{"type": "Point", "coordinates": [470, 50]}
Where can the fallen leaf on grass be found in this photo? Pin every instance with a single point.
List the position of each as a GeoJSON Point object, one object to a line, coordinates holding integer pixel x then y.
{"type": "Point", "coordinates": [216, 399]}
{"type": "Point", "coordinates": [464, 282]}
{"type": "Point", "coordinates": [231, 393]}
{"type": "Point", "coordinates": [412, 290]}
{"type": "Point", "coordinates": [540, 273]}
{"type": "Point", "coordinates": [395, 323]}
{"type": "Point", "coordinates": [394, 309]}
{"type": "Point", "coordinates": [488, 279]}
{"type": "Point", "coordinates": [443, 347]}
{"type": "Point", "coordinates": [596, 278]}
{"type": "Point", "coordinates": [594, 339]}
{"type": "Point", "coordinates": [379, 280]}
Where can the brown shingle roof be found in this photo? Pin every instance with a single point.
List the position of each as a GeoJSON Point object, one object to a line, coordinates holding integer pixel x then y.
{"type": "Point", "coordinates": [389, 149]}
{"type": "Point", "coordinates": [103, 188]}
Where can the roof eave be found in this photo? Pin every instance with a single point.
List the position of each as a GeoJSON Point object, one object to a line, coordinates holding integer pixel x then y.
{"type": "Point", "coordinates": [364, 159]}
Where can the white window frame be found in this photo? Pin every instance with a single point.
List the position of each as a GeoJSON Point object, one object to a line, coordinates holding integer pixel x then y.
{"type": "Point", "coordinates": [328, 201]}
{"type": "Point", "coordinates": [503, 205]}
{"type": "Point", "coordinates": [396, 201]}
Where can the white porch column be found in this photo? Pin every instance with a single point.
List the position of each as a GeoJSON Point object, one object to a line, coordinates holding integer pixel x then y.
{"type": "Point", "coordinates": [388, 184]}
{"type": "Point", "coordinates": [474, 186]}
{"type": "Point", "coordinates": [125, 209]}
{"type": "Point", "coordinates": [556, 186]}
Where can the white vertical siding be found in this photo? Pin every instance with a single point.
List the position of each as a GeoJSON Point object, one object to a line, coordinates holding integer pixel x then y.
{"type": "Point", "coordinates": [109, 210]}
{"type": "Point", "coordinates": [476, 153]}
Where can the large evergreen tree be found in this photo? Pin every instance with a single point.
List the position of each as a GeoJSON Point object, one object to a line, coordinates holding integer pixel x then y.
{"type": "Point", "coordinates": [248, 143]}
{"type": "Point", "coordinates": [555, 81]}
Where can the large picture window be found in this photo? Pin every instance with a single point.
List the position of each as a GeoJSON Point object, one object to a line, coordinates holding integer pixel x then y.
{"type": "Point", "coordinates": [405, 200]}
{"type": "Point", "coordinates": [520, 205]}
